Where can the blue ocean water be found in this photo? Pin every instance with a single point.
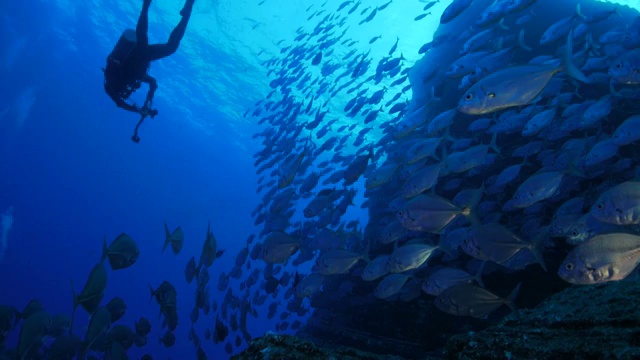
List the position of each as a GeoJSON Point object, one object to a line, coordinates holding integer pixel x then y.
{"type": "Point", "coordinates": [72, 175]}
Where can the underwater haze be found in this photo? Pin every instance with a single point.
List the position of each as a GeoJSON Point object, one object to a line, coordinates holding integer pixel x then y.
{"type": "Point", "coordinates": [343, 155]}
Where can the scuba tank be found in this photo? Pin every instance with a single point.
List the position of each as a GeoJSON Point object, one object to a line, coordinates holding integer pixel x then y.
{"type": "Point", "coordinates": [123, 47]}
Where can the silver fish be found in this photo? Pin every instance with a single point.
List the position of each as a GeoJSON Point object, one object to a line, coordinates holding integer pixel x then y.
{"type": "Point", "coordinates": [470, 300]}
{"type": "Point", "coordinates": [603, 258]}
{"type": "Point", "coordinates": [514, 86]}
{"type": "Point", "coordinates": [429, 213]}
{"type": "Point", "coordinates": [619, 205]}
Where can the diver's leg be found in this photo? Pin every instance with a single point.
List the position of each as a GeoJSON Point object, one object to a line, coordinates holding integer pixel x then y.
{"type": "Point", "coordinates": [158, 51]}
{"type": "Point", "coordinates": [143, 24]}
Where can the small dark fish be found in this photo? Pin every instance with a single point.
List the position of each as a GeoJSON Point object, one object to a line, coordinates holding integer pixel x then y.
{"type": "Point", "coordinates": [116, 308]}
{"type": "Point", "coordinates": [384, 6]}
{"type": "Point", "coordinates": [93, 291]}
{"type": "Point", "coordinates": [122, 253]}
{"type": "Point", "coordinates": [143, 327]}
{"type": "Point", "coordinates": [421, 16]}
{"type": "Point", "coordinates": [317, 59]}
{"type": "Point", "coordinates": [168, 339]}
{"type": "Point", "coordinates": [470, 300]}
{"type": "Point", "coordinates": [176, 239]}
{"type": "Point", "coordinates": [191, 270]}
{"type": "Point", "coordinates": [430, 5]}
{"type": "Point", "coordinates": [344, 5]}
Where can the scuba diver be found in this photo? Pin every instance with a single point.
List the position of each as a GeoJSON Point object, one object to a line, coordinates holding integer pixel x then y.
{"type": "Point", "coordinates": [129, 62]}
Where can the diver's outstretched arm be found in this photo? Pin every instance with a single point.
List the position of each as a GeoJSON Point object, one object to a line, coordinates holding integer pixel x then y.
{"type": "Point", "coordinates": [123, 104]}
{"type": "Point", "coordinates": [153, 85]}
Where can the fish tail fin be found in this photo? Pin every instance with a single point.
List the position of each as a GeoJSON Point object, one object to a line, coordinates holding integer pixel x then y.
{"type": "Point", "coordinates": [510, 301]}
{"type": "Point", "coordinates": [478, 276]}
{"type": "Point", "coordinates": [575, 170]}
{"type": "Point", "coordinates": [501, 25]}
{"type": "Point", "coordinates": [470, 213]}
{"type": "Point", "coordinates": [568, 65]}
{"type": "Point", "coordinates": [493, 145]}
{"type": "Point", "coordinates": [537, 246]}
{"type": "Point", "coordinates": [521, 43]}
{"type": "Point", "coordinates": [153, 293]}
{"type": "Point", "coordinates": [579, 12]}
{"type": "Point", "coordinates": [75, 305]}
{"type": "Point", "coordinates": [105, 249]}
{"type": "Point", "coordinates": [167, 236]}
{"type": "Point", "coordinates": [433, 94]}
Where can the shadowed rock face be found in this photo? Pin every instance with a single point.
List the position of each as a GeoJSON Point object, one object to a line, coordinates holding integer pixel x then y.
{"type": "Point", "coordinates": [582, 322]}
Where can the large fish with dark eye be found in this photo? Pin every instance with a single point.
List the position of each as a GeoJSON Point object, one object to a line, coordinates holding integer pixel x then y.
{"type": "Point", "coordinates": [122, 253]}
{"type": "Point", "coordinates": [429, 213]}
{"type": "Point", "coordinates": [515, 86]}
{"type": "Point", "coordinates": [453, 10]}
{"type": "Point", "coordinates": [626, 68]}
{"type": "Point", "coordinates": [470, 300]}
{"type": "Point", "coordinates": [603, 258]}
{"type": "Point", "coordinates": [619, 205]}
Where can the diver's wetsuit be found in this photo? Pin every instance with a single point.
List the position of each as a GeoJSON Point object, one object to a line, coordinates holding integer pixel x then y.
{"type": "Point", "coordinates": [123, 78]}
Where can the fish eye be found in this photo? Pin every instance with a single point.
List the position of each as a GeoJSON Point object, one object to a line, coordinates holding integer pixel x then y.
{"type": "Point", "coordinates": [618, 65]}
{"type": "Point", "coordinates": [575, 233]}
{"type": "Point", "coordinates": [569, 266]}
{"type": "Point", "coordinates": [468, 97]}
{"type": "Point", "coordinates": [600, 206]}
{"type": "Point", "coordinates": [491, 95]}
{"type": "Point", "coordinates": [400, 213]}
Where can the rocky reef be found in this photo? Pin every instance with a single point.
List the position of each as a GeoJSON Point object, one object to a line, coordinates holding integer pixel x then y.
{"type": "Point", "coordinates": [273, 346]}
{"type": "Point", "coordinates": [590, 322]}
{"type": "Point", "coordinates": [581, 322]}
